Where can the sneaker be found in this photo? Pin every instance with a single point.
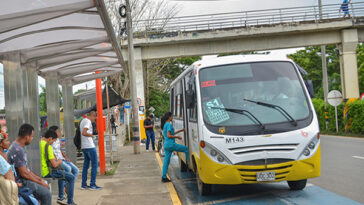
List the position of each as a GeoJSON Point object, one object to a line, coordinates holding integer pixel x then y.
{"type": "Point", "coordinates": [62, 201]}
{"type": "Point", "coordinates": [95, 187]}
{"type": "Point", "coordinates": [85, 187]}
{"type": "Point", "coordinates": [164, 180]}
{"type": "Point", "coordinates": [147, 150]}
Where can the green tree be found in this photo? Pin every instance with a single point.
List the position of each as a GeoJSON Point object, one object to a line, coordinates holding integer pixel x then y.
{"type": "Point", "coordinates": [310, 60]}
{"type": "Point", "coordinates": [160, 74]}
{"type": "Point", "coordinates": [360, 56]}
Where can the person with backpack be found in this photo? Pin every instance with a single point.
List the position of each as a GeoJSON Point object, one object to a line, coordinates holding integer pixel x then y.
{"type": "Point", "coordinates": [67, 165]}
{"type": "Point", "coordinates": [51, 167]}
{"type": "Point", "coordinates": [345, 8]}
{"type": "Point", "coordinates": [89, 151]}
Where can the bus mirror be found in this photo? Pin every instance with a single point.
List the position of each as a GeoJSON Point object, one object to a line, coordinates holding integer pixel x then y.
{"type": "Point", "coordinates": [189, 99]}
{"type": "Point", "coordinates": [309, 86]}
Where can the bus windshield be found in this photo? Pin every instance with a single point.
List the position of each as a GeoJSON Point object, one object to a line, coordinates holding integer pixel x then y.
{"type": "Point", "coordinates": [240, 86]}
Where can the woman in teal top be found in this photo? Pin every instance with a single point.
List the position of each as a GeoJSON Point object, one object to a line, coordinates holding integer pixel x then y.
{"type": "Point", "coordinates": [169, 143]}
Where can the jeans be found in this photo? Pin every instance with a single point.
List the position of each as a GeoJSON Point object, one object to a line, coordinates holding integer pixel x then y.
{"type": "Point", "coordinates": [70, 168]}
{"type": "Point", "coordinates": [40, 193]}
{"type": "Point", "coordinates": [89, 155]}
{"type": "Point", "coordinates": [150, 136]}
{"type": "Point", "coordinates": [113, 129]}
{"type": "Point", "coordinates": [169, 148]}
{"type": "Point", "coordinates": [69, 178]}
{"type": "Point", "coordinates": [122, 118]}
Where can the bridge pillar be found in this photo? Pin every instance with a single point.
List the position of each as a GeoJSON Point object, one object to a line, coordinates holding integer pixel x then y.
{"type": "Point", "coordinates": [348, 61]}
{"type": "Point", "coordinates": [21, 103]}
{"type": "Point", "coordinates": [68, 118]}
{"type": "Point", "coordinates": [139, 76]}
{"type": "Point", "coordinates": [52, 96]}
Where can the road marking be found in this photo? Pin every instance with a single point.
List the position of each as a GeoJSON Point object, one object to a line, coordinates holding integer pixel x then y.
{"type": "Point", "coordinates": [358, 157]}
{"type": "Point", "coordinates": [172, 191]}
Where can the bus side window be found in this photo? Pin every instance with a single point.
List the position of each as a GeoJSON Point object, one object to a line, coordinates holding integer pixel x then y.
{"type": "Point", "coordinates": [191, 90]}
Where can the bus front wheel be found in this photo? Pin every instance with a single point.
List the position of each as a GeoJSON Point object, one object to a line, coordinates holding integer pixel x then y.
{"type": "Point", "coordinates": [204, 189]}
{"type": "Point", "coordinates": [297, 185]}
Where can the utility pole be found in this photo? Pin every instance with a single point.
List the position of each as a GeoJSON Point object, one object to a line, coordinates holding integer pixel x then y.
{"type": "Point", "coordinates": [132, 73]}
{"type": "Point", "coordinates": [324, 66]}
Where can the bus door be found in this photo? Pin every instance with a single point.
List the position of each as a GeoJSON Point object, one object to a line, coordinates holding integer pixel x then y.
{"type": "Point", "coordinates": [179, 111]}
{"type": "Point", "coordinates": [191, 110]}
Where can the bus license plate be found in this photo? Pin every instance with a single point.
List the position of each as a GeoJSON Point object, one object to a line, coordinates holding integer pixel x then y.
{"type": "Point", "coordinates": [266, 176]}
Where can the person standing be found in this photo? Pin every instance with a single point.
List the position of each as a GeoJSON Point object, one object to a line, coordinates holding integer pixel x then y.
{"type": "Point", "coordinates": [67, 165]}
{"type": "Point", "coordinates": [121, 112]}
{"type": "Point", "coordinates": [18, 157]}
{"type": "Point", "coordinates": [89, 151]}
{"type": "Point", "coordinates": [345, 8]}
{"type": "Point", "coordinates": [116, 112]}
{"type": "Point", "coordinates": [170, 144]}
{"type": "Point", "coordinates": [113, 126]}
{"type": "Point", "coordinates": [51, 167]}
{"type": "Point", "coordinates": [149, 129]}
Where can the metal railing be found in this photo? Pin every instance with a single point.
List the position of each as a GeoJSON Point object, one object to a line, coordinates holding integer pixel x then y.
{"type": "Point", "coordinates": [245, 19]}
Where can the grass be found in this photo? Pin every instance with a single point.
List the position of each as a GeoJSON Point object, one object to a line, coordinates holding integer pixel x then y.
{"type": "Point", "coordinates": [112, 169]}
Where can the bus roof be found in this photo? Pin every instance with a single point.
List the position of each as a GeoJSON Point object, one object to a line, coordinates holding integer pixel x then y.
{"type": "Point", "coordinates": [230, 60]}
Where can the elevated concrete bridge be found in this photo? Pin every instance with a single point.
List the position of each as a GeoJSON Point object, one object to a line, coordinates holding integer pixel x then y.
{"type": "Point", "coordinates": [255, 31]}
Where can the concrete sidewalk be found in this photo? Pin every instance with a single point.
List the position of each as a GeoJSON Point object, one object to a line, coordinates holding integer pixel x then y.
{"type": "Point", "coordinates": [137, 180]}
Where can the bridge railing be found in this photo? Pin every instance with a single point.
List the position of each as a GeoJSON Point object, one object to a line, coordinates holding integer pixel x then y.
{"type": "Point", "coordinates": [245, 19]}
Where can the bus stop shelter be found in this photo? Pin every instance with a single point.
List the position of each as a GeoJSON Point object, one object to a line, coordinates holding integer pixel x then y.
{"type": "Point", "coordinates": [66, 42]}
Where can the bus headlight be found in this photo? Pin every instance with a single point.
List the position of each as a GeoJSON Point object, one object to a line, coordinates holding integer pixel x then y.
{"type": "Point", "coordinates": [220, 158]}
{"type": "Point", "coordinates": [306, 152]}
{"type": "Point", "coordinates": [310, 147]}
{"type": "Point", "coordinates": [215, 154]}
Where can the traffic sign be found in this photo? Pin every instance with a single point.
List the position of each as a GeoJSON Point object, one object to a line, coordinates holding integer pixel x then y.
{"type": "Point", "coordinates": [127, 105]}
{"type": "Point", "coordinates": [334, 98]}
{"type": "Point", "coordinates": [362, 96]}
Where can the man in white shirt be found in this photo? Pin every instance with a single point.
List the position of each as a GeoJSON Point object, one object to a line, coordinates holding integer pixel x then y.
{"type": "Point", "coordinates": [89, 151]}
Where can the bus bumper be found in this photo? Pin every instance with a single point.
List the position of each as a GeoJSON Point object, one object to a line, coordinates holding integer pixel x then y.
{"type": "Point", "coordinates": [214, 173]}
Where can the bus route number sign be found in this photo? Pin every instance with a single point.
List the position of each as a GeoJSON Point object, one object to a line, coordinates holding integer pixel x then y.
{"type": "Point", "coordinates": [230, 140]}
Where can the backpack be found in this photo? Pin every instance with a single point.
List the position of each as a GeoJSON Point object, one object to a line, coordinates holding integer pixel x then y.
{"type": "Point", "coordinates": [77, 138]}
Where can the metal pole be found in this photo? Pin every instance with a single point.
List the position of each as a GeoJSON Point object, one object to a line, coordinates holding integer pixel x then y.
{"type": "Point", "coordinates": [100, 125]}
{"type": "Point", "coordinates": [108, 119]}
{"type": "Point", "coordinates": [132, 73]}
{"type": "Point", "coordinates": [337, 124]}
{"type": "Point", "coordinates": [324, 65]}
{"type": "Point", "coordinates": [108, 106]}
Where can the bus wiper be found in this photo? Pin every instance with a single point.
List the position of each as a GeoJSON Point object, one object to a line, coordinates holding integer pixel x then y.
{"type": "Point", "coordinates": [243, 112]}
{"type": "Point", "coordinates": [279, 108]}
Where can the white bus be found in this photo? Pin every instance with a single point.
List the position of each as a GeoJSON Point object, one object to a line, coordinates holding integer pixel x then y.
{"type": "Point", "coordinates": [248, 119]}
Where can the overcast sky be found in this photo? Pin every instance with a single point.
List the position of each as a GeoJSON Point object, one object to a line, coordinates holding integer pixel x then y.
{"type": "Point", "coordinates": [197, 7]}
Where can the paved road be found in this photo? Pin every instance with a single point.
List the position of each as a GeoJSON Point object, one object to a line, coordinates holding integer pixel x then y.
{"type": "Point", "coordinates": [342, 167]}
{"type": "Point", "coordinates": [342, 181]}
